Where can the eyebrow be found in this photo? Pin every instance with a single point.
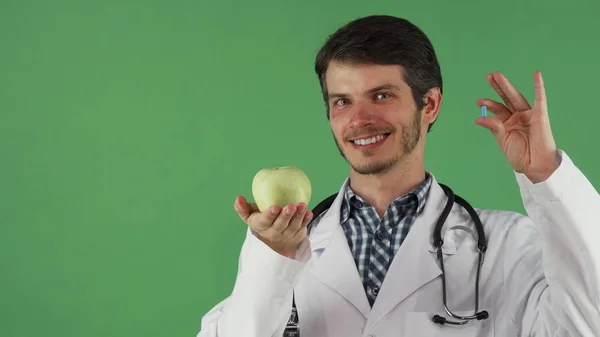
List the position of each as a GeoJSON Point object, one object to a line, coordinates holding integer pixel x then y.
{"type": "Point", "coordinates": [373, 90]}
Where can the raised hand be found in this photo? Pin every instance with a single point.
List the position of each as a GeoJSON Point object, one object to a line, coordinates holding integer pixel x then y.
{"type": "Point", "coordinates": [522, 132]}
{"type": "Point", "coordinates": [281, 229]}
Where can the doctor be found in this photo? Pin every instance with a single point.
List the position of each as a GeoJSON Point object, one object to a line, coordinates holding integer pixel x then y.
{"type": "Point", "coordinates": [369, 264]}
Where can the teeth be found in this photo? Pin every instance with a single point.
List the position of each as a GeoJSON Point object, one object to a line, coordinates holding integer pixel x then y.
{"type": "Point", "coordinates": [367, 141]}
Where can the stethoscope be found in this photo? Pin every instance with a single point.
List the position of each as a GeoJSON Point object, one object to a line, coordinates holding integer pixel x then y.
{"type": "Point", "coordinates": [481, 247]}
{"type": "Point", "coordinates": [292, 329]}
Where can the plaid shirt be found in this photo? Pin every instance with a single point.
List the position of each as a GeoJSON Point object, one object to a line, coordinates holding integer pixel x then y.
{"type": "Point", "coordinates": [374, 241]}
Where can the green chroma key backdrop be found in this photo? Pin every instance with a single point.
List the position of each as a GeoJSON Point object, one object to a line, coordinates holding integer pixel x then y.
{"type": "Point", "coordinates": [127, 128]}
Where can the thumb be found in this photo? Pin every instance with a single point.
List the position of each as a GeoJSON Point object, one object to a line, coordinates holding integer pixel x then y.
{"type": "Point", "coordinates": [495, 126]}
{"type": "Point", "coordinates": [243, 209]}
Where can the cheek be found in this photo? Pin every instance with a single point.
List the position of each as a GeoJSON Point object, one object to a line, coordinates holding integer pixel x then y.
{"type": "Point", "coordinates": [337, 132]}
{"type": "Point", "coordinates": [337, 125]}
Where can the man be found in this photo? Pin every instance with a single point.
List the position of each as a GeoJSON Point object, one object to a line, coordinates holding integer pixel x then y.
{"type": "Point", "coordinates": [369, 264]}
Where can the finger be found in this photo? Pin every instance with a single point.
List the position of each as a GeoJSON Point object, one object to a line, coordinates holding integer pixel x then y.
{"type": "Point", "coordinates": [264, 220]}
{"type": "Point", "coordinates": [307, 218]}
{"type": "Point", "coordinates": [497, 108]}
{"type": "Point", "coordinates": [540, 92]}
{"type": "Point", "coordinates": [495, 126]}
{"type": "Point", "coordinates": [516, 98]}
{"type": "Point", "coordinates": [296, 220]}
{"type": "Point", "coordinates": [250, 214]}
{"type": "Point", "coordinates": [283, 220]}
{"type": "Point", "coordinates": [492, 81]}
{"type": "Point", "coordinates": [242, 208]}
{"type": "Point", "coordinates": [303, 230]}
{"type": "Point", "coordinates": [301, 233]}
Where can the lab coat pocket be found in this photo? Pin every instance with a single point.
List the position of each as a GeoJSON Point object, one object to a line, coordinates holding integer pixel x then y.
{"type": "Point", "coordinates": [420, 324]}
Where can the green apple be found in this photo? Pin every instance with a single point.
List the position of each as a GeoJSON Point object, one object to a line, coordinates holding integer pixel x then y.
{"type": "Point", "coordinates": [280, 186]}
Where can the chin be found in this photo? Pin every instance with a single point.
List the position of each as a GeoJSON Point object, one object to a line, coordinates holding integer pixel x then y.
{"type": "Point", "coordinates": [374, 166]}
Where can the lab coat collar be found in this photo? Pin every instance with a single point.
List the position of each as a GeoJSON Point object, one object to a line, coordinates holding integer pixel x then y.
{"type": "Point", "coordinates": [413, 266]}
{"type": "Point", "coordinates": [335, 266]}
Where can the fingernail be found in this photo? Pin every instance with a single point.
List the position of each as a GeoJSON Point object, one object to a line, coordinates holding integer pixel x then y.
{"type": "Point", "coordinates": [290, 209]}
{"type": "Point", "coordinates": [275, 211]}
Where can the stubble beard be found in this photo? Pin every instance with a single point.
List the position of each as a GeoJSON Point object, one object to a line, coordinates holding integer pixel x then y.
{"type": "Point", "coordinates": [410, 138]}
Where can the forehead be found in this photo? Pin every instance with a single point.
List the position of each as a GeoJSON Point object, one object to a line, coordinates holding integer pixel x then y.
{"type": "Point", "coordinates": [347, 77]}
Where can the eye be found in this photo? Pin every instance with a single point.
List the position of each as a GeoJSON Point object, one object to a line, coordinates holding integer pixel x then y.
{"type": "Point", "coordinates": [340, 102]}
{"type": "Point", "coordinates": [382, 95]}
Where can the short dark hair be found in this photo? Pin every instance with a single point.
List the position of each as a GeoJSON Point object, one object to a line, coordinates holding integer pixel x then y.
{"type": "Point", "coordinates": [383, 40]}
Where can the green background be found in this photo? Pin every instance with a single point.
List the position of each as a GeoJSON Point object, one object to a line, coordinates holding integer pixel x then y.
{"type": "Point", "coordinates": [128, 127]}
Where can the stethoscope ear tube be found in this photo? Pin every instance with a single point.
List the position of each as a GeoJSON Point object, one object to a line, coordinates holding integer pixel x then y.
{"type": "Point", "coordinates": [437, 231]}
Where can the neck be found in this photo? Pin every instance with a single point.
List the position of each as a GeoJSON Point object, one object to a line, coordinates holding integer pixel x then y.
{"type": "Point", "coordinates": [382, 189]}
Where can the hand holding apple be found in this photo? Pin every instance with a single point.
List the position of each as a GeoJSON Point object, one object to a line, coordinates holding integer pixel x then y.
{"type": "Point", "coordinates": [279, 216]}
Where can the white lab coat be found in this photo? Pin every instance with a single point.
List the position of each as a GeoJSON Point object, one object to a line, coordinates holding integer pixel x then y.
{"type": "Point", "coordinates": [540, 276]}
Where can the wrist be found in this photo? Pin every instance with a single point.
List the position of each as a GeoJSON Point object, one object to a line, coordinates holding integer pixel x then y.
{"type": "Point", "coordinates": [279, 249]}
{"type": "Point", "coordinates": [545, 171]}
{"type": "Point", "coordinates": [290, 254]}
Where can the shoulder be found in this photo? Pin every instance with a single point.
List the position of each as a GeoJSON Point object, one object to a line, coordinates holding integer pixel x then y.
{"type": "Point", "coordinates": [502, 218]}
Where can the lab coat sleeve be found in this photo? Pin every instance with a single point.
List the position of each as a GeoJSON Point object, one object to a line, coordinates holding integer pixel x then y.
{"type": "Point", "coordinates": [553, 268]}
{"type": "Point", "coordinates": [261, 301]}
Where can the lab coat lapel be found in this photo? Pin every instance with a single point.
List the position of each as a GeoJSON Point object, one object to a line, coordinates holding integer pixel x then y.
{"type": "Point", "coordinates": [413, 265]}
{"type": "Point", "coordinates": [335, 266]}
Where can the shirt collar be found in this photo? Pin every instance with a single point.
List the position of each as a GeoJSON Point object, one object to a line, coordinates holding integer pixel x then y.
{"type": "Point", "coordinates": [353, 202]}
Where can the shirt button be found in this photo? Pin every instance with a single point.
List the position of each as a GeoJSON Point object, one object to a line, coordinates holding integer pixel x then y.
{"type": "Point", "coordinates": [379, 236]}
{"type": "Point", "coordinates": [376, 290]}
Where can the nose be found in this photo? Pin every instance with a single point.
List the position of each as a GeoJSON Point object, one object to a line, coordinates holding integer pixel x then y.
{"type": "Point", "coordinates": [362, 115]}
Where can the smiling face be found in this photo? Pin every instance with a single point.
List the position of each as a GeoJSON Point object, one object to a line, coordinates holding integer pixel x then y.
{"type": "Point", "coordinates": [373, 116]}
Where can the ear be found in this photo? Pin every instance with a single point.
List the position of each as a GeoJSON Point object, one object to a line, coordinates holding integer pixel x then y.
{"type": "Point", "coordinates": [432, 102]}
